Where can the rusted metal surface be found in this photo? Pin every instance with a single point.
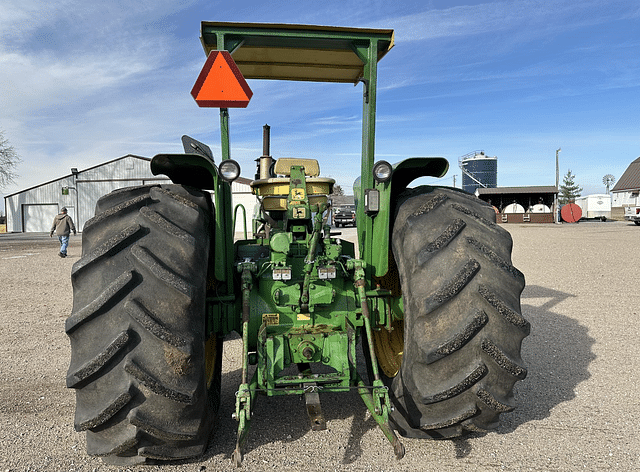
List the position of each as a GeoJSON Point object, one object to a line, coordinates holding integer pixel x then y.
{"type": "Point", "coordinates": [314, 410]}
{"type": "Point", "coordinates": [571, 213]}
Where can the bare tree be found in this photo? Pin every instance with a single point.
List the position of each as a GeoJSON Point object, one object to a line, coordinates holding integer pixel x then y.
{"type": "Point", "coordinates": [8, 162]}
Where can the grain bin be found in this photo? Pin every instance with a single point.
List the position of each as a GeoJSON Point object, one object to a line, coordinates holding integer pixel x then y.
{"type": "Point", "coordinates": [478, 171]}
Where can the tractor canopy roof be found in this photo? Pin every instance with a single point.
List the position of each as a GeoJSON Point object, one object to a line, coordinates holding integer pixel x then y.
{"type": "Point", "coordinates": [298, 52]}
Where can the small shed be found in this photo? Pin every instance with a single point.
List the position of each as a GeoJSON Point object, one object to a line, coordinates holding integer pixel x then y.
{"type": "Point", "coordinates": [33, 209]}
{"type": "Point", "coordinates": [532, 203]}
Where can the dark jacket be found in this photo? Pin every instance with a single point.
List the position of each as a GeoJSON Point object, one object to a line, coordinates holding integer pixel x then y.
{"type": "Point", "coordinates": [63, 225]}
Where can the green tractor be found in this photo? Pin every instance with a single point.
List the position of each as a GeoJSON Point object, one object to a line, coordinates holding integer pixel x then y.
{"type": "Point", "coordinates": [429, 291]}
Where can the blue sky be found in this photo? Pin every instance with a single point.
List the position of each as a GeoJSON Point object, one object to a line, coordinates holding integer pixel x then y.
{"type": "Point", "coordinates": [84, 82]}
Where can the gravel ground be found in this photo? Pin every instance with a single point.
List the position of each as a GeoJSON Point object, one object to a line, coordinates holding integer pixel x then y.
{"type": "Point", "coordinates": [578, 408]}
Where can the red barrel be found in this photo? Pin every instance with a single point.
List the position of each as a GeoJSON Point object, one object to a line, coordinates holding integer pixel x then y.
{"type": "Point", "coordinates": [571, 213]}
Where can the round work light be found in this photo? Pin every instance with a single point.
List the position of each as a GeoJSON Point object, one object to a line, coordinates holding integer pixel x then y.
{"type": "Point", "coordinates": [382, 171]}
{"type": "Point", "coordinates": [229, 170]}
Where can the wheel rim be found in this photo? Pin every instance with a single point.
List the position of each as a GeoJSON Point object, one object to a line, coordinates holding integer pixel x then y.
{"type": "Point", "coordinates": [210, 352]}
{"type": "Point", "coordinates": [389, 347]}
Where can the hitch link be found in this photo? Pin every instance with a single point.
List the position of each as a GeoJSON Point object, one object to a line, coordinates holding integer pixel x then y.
{"type": "Point", "coordinates": [246, 393]}
{"type": "Point", "coordinates": [377, 401]}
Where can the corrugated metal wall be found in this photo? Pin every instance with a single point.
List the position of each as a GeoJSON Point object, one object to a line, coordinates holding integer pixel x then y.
{"type": "Point", "coordinates": [241, 194]}
{"type": "Point", "coordinates": [85, 188]}
{"type": "Point", "coordinates": [627, 198]}
{"type": "Point", "coordinates": [31, 209]}
{"type": "Point", "coordinates": [93, 183]}
{"type": "Point", "coordinates": [46, 194]}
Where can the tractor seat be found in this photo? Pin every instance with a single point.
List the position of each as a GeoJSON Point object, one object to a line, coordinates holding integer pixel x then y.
{"type": "Point", "coordinates": [276, 189]}
{"type": "Point", "coordinates": [284, 164]}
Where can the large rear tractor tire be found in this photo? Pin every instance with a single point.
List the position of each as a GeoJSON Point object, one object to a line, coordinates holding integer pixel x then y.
{"type": "Point", "coordinates": [462, 332]}
{"type": "Point", "coordinates": [147, 380]}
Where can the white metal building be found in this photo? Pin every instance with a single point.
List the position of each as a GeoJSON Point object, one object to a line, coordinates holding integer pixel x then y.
{"type": "Point", "coordinates": [33, 209]}
{"type": "Point", "coordinates": [626, 191]}
{"type": "Point", "coordinates": [241, 194]}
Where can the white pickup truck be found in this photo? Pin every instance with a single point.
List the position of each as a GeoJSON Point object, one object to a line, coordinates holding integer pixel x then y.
{"type": "Point", "coordinates": [632, 214]}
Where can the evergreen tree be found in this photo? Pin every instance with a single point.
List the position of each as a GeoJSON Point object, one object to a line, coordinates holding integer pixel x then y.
{"type": "Point", "coordinates": [569, 190]}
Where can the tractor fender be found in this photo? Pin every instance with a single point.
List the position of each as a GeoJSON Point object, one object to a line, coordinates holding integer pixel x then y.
{"type": "Point", "coordinates": [405, 172]}
{"type": "Point", "coordinates": [408, 170]}
{"type": "Point", "coordinates": [186, 169]}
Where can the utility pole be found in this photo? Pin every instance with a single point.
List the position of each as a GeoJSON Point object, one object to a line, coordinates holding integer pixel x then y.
{"type": "Point", "coordinates": [555, 199]}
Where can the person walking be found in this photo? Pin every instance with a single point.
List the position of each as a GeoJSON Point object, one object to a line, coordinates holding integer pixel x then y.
{"type": "Point", "coordinates": [62, 226]}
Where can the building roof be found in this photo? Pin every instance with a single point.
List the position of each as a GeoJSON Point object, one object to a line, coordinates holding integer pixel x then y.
{"type": "Point", "coordinates": [630, 180]}
{"type": "Point", "coordinates": [518, 190]}
{"type": "Point", "coordinates": [240, 180]}
{"type": "Point", "coordinates": [79, 172]}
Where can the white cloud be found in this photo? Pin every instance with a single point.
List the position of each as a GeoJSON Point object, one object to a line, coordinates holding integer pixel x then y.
{"type": "Point", "coordinates": [20, 16]}
{"type": "Point", "coordinates": [492, 18]}
{"type": "Point", "coordinates": [29, 82]}
{"type": "Point", "coordinates": [95, 20]}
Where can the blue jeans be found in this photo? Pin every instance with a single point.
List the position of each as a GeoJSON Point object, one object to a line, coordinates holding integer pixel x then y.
{"type": "Point", "coordinates": [64, 242]}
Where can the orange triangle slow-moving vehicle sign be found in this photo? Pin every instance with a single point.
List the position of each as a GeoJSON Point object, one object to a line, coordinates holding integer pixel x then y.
{"type": "Point", "coordinates": [221, 84]}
